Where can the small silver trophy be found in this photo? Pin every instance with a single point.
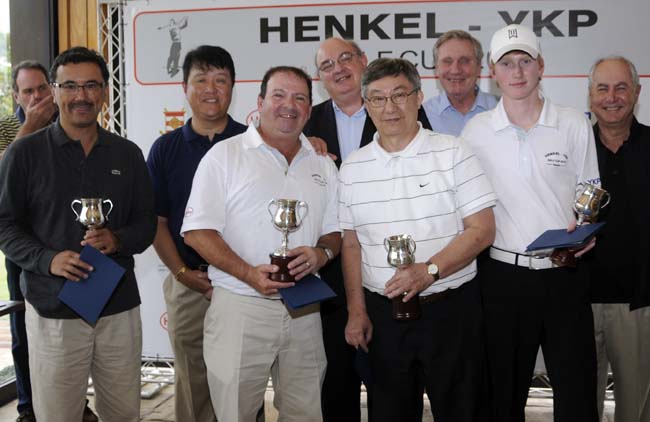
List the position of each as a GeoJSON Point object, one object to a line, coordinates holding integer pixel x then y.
{"type": "Point", "coordinates": [286, 217]}
{"type": "Point", "coordinates": [589, 202]}
{"type": "Point", "coordinates": [92, 214]}
{"type": "Point", "coordinates": [401, 251]}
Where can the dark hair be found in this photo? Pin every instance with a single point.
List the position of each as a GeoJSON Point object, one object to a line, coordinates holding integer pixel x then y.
{"type": "Point", "coordinates": [205, 56]}
{"type": "Point", "coordinates": [79, 55]}
{"type": "Point", "coordinates": [382, 67]}
{"type": "Point", "coordinates": [26, 64]}
{"type": "Point", "coordinates": [285, 69]}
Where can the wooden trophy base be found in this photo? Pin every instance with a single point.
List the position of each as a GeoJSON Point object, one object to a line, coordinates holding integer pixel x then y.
{"type": "Point", "coordinates": [282, 274]}
{"type": "Point", "coordinates": [406, 311]}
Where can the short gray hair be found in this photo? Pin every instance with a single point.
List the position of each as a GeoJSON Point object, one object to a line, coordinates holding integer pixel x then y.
{"type": "Point", "coordinates": [458, 34]}
{"type": "Point", "coordinates": [351, 43]}
{"type": "Point", "coordinates": [382, 67]}
{"type": "Point", "coordinates": [630, 66]}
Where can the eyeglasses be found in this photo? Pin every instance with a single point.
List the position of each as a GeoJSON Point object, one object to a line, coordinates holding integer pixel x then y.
{"type": "Point", "coordinates": [397, 98]}
{"type": "Point", "coordinates": [344, 58]}
{"type": "Point", "coordinates": [91, 87]}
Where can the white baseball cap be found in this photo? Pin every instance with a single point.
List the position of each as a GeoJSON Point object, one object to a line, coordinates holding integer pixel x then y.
{"type": "Point", "coordinates": [511, 38]}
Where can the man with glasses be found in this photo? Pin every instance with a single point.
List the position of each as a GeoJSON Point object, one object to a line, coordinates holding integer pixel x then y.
{"type": "Point", "coordinates": [41, 175]}
{"type": "Point", "coordinates": [429, 186]}
{"type": "Point", "coordinates": [536, 154]}
{"type": "Point", "coordinates": [457, 56]}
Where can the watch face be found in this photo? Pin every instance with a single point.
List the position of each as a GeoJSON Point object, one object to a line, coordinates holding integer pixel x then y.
{"type": "Point", "coordinates": [432, 269]}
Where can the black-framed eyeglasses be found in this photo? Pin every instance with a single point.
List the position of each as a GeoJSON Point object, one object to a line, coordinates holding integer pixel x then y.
{"type": "Point", "coordinates": [397, 98]}
{"type": "Point", "coordinates": [346, 57]}
{"type": "Point", "coordinates": [91, 87]}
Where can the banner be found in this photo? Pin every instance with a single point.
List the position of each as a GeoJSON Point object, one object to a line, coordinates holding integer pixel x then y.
{"type": "Point", "coordinates": [260, 34]}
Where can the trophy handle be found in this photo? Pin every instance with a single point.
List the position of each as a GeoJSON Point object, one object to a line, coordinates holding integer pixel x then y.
{"type": "Point", "coordinates": [607, 201]}
{"type": "Point", "coordinates": [411, 245]}
{"type": "Point", "coordinates": [268, 207]}
{"type": "Point", "coordinates": [76, 201]}
{"type": "Point", "coordinates": [109, 202]}
{"type": "Point", "coordinates": [302, 204]}
{"type": "Point", "coordinates": [386, 245]}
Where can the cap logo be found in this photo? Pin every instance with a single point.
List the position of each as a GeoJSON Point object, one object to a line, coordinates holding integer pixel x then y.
{"type": "Point", "coordinates": [512, 33]}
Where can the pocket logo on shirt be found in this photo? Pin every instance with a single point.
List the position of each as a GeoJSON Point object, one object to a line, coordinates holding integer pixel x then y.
{"type": "Point", "coordinates": [318, 179]}
{"type": "Point", "coordinates": [116, 172]}
{"type": "Point", "coordinates": [556, 159]}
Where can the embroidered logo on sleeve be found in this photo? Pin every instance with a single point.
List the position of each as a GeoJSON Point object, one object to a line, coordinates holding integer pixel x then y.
{"type": "Point", "coordinates": [189, 211]}
{"type": "Point", "coordinates": [116, 172]}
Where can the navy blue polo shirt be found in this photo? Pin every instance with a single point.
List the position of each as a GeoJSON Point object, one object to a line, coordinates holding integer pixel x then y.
{"type": "Point", "coordinates": [172, 162]}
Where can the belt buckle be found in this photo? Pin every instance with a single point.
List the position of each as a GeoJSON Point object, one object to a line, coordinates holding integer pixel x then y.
{"type": "Point", "coordinates": [531, 265]}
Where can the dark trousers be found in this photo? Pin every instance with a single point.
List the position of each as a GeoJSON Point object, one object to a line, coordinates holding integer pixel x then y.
{"type": "Point", "coordinates": [19, 339]}
{"type": "Point", "coordinates": [525, 309]}
{"type": "Point", "coordinates": [340, 398]}
{"type": "Point", "coordinates": [443, 350]}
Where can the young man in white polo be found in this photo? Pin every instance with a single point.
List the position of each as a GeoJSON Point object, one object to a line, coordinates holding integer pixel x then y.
{"type": "Point", "coordinates": [535, 154]}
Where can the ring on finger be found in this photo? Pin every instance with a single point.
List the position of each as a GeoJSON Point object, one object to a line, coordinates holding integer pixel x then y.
{"type": "Point", "coordinates": [307, 264]}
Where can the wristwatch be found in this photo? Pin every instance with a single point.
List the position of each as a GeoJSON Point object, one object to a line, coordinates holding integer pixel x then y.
{"type": "Point", "coordinates": [328, 252]}
{"type": "Point", "coordinates": [432, 270]}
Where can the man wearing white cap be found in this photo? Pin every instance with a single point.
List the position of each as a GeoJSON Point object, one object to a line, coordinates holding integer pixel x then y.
{"type": "Point", "coordinates": [535, 154]}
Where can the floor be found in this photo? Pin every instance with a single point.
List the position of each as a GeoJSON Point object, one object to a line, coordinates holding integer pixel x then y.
{"type": "Point", "coordinates": [160, 408]}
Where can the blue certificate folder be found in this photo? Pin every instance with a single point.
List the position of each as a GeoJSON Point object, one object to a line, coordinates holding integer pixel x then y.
{"type": "Point", "coordinates": [560, 238]}
{"type": "Point", "coordinates": [89, 297]}
{"type": "Point", "coordinates": [307, 290]}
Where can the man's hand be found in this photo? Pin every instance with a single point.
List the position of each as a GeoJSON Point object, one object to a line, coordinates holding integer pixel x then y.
{"type": "Point", "coordinates": [38, 114]}
{"type": "Point", "coordinates": [307, 261]}
{"type": "Point", "coordinates": [578, 252]}
{"type": "Point", "coordinates": [358, 330]}
{"type": "Point", "coordinates": [67, 264]}
{"type": "Point", "coordinates": [320, 146]}
{"type": "Point", "coordinates": [101, 239]}
{"type": "Point", "coordinates": [411, 279]}
{"type": "Point", "coordinates": [258, 278]}
{"type": "Point", "coordinates": [196, 280]}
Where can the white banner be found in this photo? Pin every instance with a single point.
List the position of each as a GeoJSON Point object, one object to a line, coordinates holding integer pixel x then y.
{"type": "Point", "coordinates": [260, 34]}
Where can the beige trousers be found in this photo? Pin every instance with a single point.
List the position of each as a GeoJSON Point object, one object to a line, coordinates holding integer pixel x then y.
{"type": "Point", "coordinates": [623, 341]}
{"type": "Point", "coordinates": [186, 310]}
{"type": "Point", "coordinates": [63, 353]}
{"type": "Point", "coordinates": [248, 338]}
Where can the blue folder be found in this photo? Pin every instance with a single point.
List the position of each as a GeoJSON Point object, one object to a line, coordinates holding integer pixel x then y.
{"type": "Point", "coordinates": [307, 291]}
{"type": "Point", "coordinates": [560, 238]}
{"type": "Point", "coordinates": [88, 297]}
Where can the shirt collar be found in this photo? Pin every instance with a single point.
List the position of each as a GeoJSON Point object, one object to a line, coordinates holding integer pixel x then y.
{"type": "Point", "coordinates": [61, 138]}
{"type": "Point", "coordinates": [548, 117]}
{"type": "Point", "coordinates": [253, 139]}
{"type": "Point", "coordinates": [190, 135]}
{"type": "Point", "coordinates": [481, 101]}
{"type": "Point", "coordinates": [358, 113]}
{"type": "Point", "coordinates": [410, 151]}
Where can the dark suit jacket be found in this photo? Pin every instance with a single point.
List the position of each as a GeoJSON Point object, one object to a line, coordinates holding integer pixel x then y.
{"type": "Point", "coordinates": [322, 123]}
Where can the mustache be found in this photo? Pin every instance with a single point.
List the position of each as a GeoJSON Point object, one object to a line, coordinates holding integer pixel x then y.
{"type": "Point", "coordinates": [80, 104]}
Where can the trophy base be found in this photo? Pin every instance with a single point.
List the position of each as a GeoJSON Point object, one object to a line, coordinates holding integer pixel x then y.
{"type": "Point", "coordinates": [282, 274]}
{"type": "Point", "coordinates": [406, 311]}
{"type": "Point", "coordinates": [564, 258]}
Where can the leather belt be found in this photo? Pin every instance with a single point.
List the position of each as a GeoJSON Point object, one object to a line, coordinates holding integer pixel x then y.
{"type": "Point", "coordinates": [527, 261]}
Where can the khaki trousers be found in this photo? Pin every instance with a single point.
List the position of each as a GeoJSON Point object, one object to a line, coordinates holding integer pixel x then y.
{"type": "Point", "coordinates": [186, 310]}
{"type": "Point", "coordinates": [248, 338]}
{"type": "Point", "coordinates": [623, 341]}
{"type": "Point", "coordinates": [63, 353]}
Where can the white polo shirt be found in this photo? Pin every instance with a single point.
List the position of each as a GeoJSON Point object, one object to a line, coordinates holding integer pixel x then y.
{"type": "Point", "coordinates": [535, 173]}
{"type": "Point", "coordinates": [424, 191]}
{"type": "Point", "coordinates": [231, 190]}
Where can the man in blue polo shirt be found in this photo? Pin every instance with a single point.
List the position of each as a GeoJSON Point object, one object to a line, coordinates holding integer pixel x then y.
{"type": "Point", "coordinates": [457, 56]}
{"type": "Point", "coordinates": [208, 79]}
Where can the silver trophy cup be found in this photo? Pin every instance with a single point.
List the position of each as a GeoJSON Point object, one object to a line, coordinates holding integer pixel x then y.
{"type": "Point", "coordinates": [91, 213]}
{"type": "Point", "coordinates": [589, 202]}
{"type": "Point", "coordinates": [286, 216]}
{"type": "Point", "coordinates": [401, 251]}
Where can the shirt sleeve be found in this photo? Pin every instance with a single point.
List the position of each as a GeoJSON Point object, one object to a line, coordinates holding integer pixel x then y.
{"type": "Point", "coordinates": [587, 169]}
{"type": "Point", "coordinates": [137, 235]}
{"type": "Point", "coordinates": [206, 207]}
{"type": "Point", "coordinates": [346, 220]}
{"type": "Point", "coordinates": [331, 220]}
{"type": "Point", "coordinates": [473, 189]}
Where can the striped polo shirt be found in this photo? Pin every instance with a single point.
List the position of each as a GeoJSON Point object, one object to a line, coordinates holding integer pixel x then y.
{"type": "Point", "coordinates": [9, 126]}
{"type": "Point", "coordinates": [423, 191]}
